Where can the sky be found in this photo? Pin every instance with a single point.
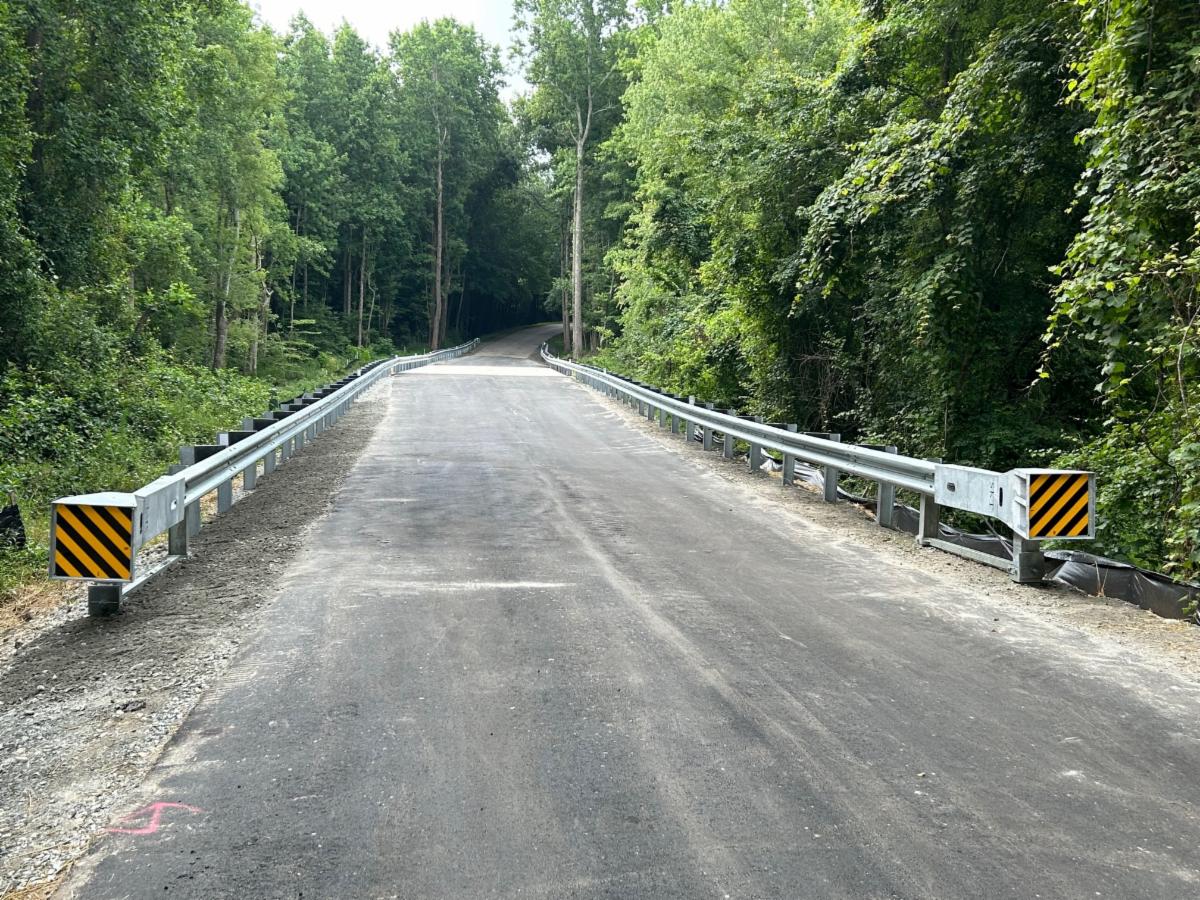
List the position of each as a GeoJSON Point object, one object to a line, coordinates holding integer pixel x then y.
{"type": "Point", "coordinates": [375, 19]}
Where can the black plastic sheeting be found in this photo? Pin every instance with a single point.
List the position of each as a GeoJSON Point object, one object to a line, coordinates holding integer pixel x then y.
{"type": "Point", "coordinates": [12, 529]}
{"type": "Point", "coordinates": [1091, 574]}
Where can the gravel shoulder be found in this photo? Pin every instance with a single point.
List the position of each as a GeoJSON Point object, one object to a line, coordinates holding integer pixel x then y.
{"type": "Point", "coordinates": [1111, 628]}
{"type": "Point", "coordinates": [87, 706]}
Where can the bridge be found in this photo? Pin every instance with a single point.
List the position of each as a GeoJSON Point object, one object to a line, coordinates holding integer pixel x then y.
{"type": "Point", "coordinates": [537, 648]}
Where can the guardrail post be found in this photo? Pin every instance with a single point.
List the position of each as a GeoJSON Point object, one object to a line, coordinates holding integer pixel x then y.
{"type": "Point", "coordinates": [789, 461]}
{"type": "Point", "coordinates": [687, 424]}
{"type": "Point", "coordinates": [250, 476]}
{"type": "Point", "coordinates": [191, 514]}
{"type": "Point", "coordinates": [706, 433]}
{"type": "Point", "coordinates": [930, 525]}
{"type": "Point", "coordinates": [177, 534]}
{"type": "Point", "coordinates": [269, 462]}
{"type": "Point", "coordinates": [727, 444]}
{"type": "Point", "coordinates": [1028, 563]}
{"type": "Point", "coordinates": [829, 474]}
{"type": "Point", "coordinates": [225, 496]}
{"type": "Point", "coordinates": [104, 599]}
{"type": "Point", "coordinates": [885, 499]}
{"type": "Point", "coordinates": [755, 452]}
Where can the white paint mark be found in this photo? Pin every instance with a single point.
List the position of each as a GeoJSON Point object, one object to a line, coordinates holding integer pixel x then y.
{"type": "Point", "coordinates": [495, 371]}
{"type": "Point", "coordinates": [447, 586]}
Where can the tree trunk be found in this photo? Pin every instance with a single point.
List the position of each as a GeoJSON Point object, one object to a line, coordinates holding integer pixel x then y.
{"type": "Point", "coordinates": [577, 253]}
{"type": "Point", "coordinates": [462, 301]}
{"type": "Point", "coordinates": [435, 336]}
{"type": "Point", "coordinates": [260, 316]}
{"type": "Point", "coordinates": [362, 286]}
{"type": "Point", "coordinates": [448, 285]}
{"type": "Point", "coordinates": [563, 265]}
{"type": "Point", "coordinates": [371, 311]}
{"type": "Point", "coordinates": [346, 277]}
{"type": "Point", "coordinates": [292, 295]}
{"type": "Point", "coordinates": [221, 322]}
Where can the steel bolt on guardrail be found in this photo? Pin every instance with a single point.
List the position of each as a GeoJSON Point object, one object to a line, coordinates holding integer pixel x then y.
{"type": "Point", "coordinates": [1036, 504]}
{"type": "Point", "coordinates": [96, 537]}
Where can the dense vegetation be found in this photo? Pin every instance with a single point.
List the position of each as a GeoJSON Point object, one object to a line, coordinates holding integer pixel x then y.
{"type": "Point", "coordinates": [969, 228]}
{"type": "Point", "coordinates": [196, 213]}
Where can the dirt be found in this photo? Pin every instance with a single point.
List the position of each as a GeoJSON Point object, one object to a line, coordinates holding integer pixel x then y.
{"type": "Point", "coordinates": [87, 705]}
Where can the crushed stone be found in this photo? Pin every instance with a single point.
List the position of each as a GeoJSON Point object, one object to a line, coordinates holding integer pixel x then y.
{"type": "Point", "coordinates": [87, 705]}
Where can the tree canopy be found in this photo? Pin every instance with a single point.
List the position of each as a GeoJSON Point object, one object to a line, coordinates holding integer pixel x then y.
{"type": "Point", "coordinates": [968, 228]}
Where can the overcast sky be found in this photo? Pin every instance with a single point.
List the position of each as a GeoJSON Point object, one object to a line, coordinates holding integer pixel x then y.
{"type": "Point", "coordinates": [375, 19]}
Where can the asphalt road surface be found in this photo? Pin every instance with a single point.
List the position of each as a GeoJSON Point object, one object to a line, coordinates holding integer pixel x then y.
{"type": "Point", "coordinates": [532, 652]}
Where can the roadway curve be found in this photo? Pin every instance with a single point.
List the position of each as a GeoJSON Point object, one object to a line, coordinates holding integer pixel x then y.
{"type": "Point", "coordinates": [532, 652]}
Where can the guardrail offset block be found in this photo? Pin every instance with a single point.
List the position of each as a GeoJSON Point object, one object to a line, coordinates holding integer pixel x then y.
{"type": "Point", "coordinates": [92, 538]}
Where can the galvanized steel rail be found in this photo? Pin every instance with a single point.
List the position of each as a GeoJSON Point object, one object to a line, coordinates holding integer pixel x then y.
{"type": "Point", "coordinates": [172, 503]}
{"type": "Point", "coordinates": [1011, 496]}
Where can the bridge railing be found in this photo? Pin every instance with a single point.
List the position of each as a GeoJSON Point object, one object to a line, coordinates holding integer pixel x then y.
{"type": "Point", "coordinates": [96, 537]}
{"type": "Point", "coordinates": [1037, 504]}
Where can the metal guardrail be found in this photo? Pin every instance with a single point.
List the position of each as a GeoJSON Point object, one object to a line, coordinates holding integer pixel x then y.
{"type": "Point", "coordinates": [1036, 504]}
{"type": "Point", "coordinates": [96, 537]}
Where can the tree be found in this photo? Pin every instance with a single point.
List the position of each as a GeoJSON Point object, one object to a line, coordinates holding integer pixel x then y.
{"type": "Point", "coordinates": [449, 76]}
{"type": "Point", "coordinates": [573, 50]}
{"type": "Point", "coordinates": [226, 175]}
{"type": "Point", "coordinates": [314, 180]}
{"type": "Point", "coordinates": [20, 288]}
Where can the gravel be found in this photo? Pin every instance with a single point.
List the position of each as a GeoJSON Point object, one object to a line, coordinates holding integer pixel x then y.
{"type": "Point", "coordinates": [87, 706]}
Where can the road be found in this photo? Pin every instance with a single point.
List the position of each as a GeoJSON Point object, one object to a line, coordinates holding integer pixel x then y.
{"type": "Point", "coordinates": [534, 652]}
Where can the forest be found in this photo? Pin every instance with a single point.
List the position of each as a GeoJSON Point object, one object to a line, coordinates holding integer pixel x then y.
{"type": "Point", "coordinates": [198, 215]}
{"type": "Point", "coordinates": [966, 227]}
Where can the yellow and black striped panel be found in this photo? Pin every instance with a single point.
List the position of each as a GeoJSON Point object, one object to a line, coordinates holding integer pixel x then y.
{"type": "Point", "coordinates": [1059, 504]}
{"type": "Point", "coordinates": [93, 542]}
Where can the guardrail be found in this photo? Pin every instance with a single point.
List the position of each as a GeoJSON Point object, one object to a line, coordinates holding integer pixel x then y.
{"type": "Point", "coordinates": [1037, 504]}
{"type": "Point", "coordinates": [96, 537]}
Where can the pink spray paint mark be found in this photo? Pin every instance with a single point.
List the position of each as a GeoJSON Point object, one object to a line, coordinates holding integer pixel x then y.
{"type": "Point", "coordinates": [155, 812]}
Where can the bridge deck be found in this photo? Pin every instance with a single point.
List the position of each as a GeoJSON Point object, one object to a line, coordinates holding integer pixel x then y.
{"type": "Point", "coordinates": [533, 653]}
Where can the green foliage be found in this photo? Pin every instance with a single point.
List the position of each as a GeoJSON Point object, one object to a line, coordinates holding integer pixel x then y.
{"type": "Point", "coordinates": [197, 214]}
{"type": "Point", "coordinates": [1129, 288]}
{"type": "Point", "coordinates": [889, 219]}
{"type": "Point", "coordinates": [969, 228]}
